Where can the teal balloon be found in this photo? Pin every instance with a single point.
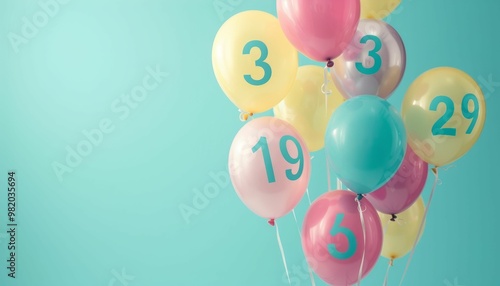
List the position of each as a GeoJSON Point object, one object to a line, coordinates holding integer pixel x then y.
{"type": "Point", "coordinates": [365, 143]}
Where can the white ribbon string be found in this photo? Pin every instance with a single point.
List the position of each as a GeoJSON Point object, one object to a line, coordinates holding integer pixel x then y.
{"type": "Point", "coordinates": [360, 273]}
{"type": "Point", "coordinates": [282, 252]}
{"type": "Point", "coordinates": [386, 279]}
{"type": "Point", "coordinates": [435, 171]}
{"type": "Point", "coordinates": [328, 170]}
{"type": "Point", "coordinates": [298, 230]}
{"type": "Point", "coordinates": [386, 226]}
{"type": "Point", "coordinates": [308, 197]}
{"type": "Point", "coordinates": [326, 92]}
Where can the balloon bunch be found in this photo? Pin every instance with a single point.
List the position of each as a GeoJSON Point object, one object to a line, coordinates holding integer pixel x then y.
{"type": "Point", "coordinates": [382, 157]}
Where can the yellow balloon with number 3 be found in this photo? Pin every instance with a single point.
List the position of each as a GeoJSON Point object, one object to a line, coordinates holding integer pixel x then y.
{"type": "Point", "coordinates": [377, 9]}
{"type": "Point", "coordinates": [253, 61]}
{"type": "Point", "coordinates": [444, 113]}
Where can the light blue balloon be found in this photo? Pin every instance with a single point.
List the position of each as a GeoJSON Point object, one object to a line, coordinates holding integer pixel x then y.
{"type": "Point", "coordinates": [365, 143]}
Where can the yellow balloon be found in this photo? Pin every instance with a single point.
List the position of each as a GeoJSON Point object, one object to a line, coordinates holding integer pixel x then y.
{"type": "Point", "coordinates": [377, 9]}
{"type": "Point", "coordinates": [400, 235]}
{"type": "Point", "coordinates": [305, 106]}
{"type": "Point", "coordinates": [444, 113]}
{"type": "Point", "coordinates": [253, 61]}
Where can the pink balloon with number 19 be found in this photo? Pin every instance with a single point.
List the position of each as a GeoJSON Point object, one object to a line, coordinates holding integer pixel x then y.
{"type": "Point", "coordinates": [269, 166]}
{"type": "Point", "coordinates": [332, 237]}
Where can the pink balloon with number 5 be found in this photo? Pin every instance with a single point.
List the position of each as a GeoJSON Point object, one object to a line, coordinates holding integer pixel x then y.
{"type": "Point", "coordinates": [332, 237]}
{"type": "Point", "coordinates": [269, 166]}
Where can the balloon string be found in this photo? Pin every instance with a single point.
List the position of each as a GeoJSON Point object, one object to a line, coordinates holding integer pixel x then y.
{"type": "Point", "coordinates": [307, 189]}
{"type": "Point", "coordinates": [435, 171]}
{"type": "Point", "coordinates": [386, 279]}
{"type": "Point", "coordinates": [339, 184]}
{"type": "Point", "coordinates": [308, 197]}
{"type": "Point", "coordinates": [324, 88]}
{"type": "Point", "coordinates": [328, 170]}
{"type": "Point", "coordinates": [358, 200]}
{"type": "Point", "coordinates": [386, 226]}
{"type": "Point", "coordinates": [300, 236]}
{"type": "Point", "coordinates": [282, 252]}
{"type": "Point", "coordinates": [326, 92]}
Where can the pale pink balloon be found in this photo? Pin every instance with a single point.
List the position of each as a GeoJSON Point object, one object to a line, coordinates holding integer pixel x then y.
{"type": "Point", "coordinates": [332, 237]}
{"type": "Point", "coordinates": [320, 29]}
{"type": "Point", "coordinates": [269, 166]}
{"type": "Point", "coordinates": [404, 188]}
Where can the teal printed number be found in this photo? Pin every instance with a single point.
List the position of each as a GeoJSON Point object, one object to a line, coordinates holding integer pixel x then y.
{"type": "Point", "coordinates": [437, 128]}
{"type": "Point", "coordinates": [474, 114]}
{"type": "Point", "coordinates": [377, 60]}
{"type": "Point", "coordinates": [351, 239]}
{"type": "Point", "coordinates": [260, 62]}
{"type": "Point", "coordinates": [267, 158]}
{"type": "Point", "coordinates": [262, 144]}
{"type": "Point", "coordinates": [299, 159]}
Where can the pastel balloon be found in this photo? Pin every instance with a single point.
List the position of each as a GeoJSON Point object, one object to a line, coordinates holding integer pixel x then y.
{"type": "Point", "coordinates": [444, 113]}
{"type": "Point", "coordinates": [306, 108]}
{"type": "Point", "coordinates": [365, 143]}
{"type": "Point", "coordinates": [404, 188]}
{"type": "Point", "coordinates": [373, 63]}
{"type": "Point", "coordinates": [269, 166]}
{"type": "Point", "coordinates": [400, 235]}
{"type": "Point", "coordinates": [320, 29]}
{"type": "Point", "coordinates": [254, 63]}
{"type": "Point", "coordinates": [332, 237]}
{"type": "Point", "coordinates": [377, 9]}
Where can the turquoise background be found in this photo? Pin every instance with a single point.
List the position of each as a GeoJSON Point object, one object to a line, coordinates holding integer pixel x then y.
{"type": "Point", "coordinates": [115, 219]}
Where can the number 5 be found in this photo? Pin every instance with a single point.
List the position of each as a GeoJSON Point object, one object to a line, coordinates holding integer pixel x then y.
{"type": "Point", "coordinates": [351, 239]}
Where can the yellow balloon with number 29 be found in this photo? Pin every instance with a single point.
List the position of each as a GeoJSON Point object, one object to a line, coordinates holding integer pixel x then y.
{"type": "Point", "coordinates": [253, 61]}
{"type": "Point", "coordinates": [444, 113]}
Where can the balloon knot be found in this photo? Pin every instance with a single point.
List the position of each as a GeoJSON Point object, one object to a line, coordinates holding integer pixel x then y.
{"type": "Point", "coordinates": [271, 222]}
{"type": "Point", "coordinates": [394, 217]}
{"type": "Point", "coordinates": [244, 116]}
{"type": "Point", "coordinates": [329, 63]}
{"type": "Point", "coordinates": [434, 170]}
{"type": "Point", "coordinates": [359, 197]}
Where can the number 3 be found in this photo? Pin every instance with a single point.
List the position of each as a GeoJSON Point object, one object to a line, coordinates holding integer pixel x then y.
{"type": "Point", "coordinates": [373, 53]}
{"type": "Point", "coordinates": [260, 62]}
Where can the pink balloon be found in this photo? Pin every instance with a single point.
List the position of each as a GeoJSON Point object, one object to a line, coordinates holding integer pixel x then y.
{"type": "Point", "coordinates": [320, 29]}
{"type": "Point", "coordinates": [404, 188]}
{"type": "Point", "coordinates": [269, 166]}
{"type": "Point", "coordinates": [332, 237]}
